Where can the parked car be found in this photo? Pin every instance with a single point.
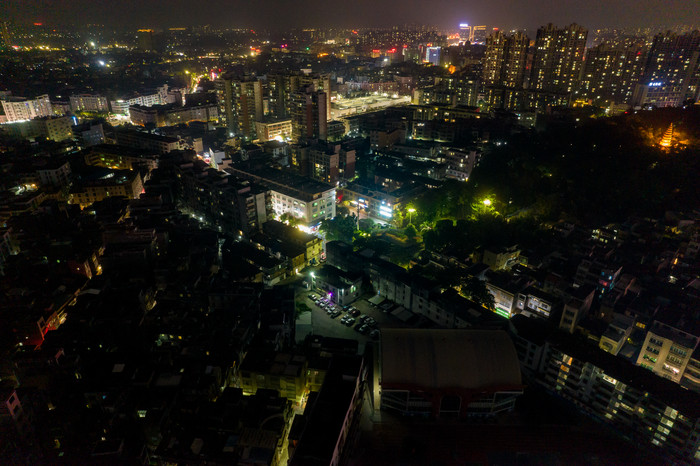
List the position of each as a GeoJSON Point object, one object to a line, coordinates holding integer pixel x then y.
{"type": "Point", "coordinates": [355, 312]}
{"type": "Point", "coordinates": [350, 321]}
{"type": "Point", "coordinates": [374, 334]}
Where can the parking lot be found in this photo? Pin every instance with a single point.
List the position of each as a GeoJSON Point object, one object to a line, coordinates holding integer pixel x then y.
{"type": "Point", "coordinates": [329, 320]}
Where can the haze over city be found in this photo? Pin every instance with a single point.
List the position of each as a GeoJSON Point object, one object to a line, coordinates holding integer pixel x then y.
{"type": "Point", "coordinates": [280, 14]}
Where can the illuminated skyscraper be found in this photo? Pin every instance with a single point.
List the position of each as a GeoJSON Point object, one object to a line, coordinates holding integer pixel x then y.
{"type": "Point", "coordinates": [478, 35]}
{"type": "Point", "coordinates": [504, 60]}
{"type": "Point", "coordinates": [240, 104]}
{"type": "Point", "coordinates": [558, 58]}
{"type": "Point", "coordinates": [432, 55]}
{"type": "Point", "coordinates": [672, 71]}
{"type": "Point", "coordinates": [612, 70]}
{"type": "Point", "coordinates": [465, 32]}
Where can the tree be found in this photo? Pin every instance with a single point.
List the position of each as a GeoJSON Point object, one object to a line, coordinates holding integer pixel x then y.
{"type": "Point", "coordinates": [339, 228]}
{"type": "Point", "coordinates": [476, 290]}
{"type": "Point", "coordinates": [289, 219]}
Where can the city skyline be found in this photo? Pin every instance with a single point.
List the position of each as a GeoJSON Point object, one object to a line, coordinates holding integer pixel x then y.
{"type": "Point", "coordinates": [276, 15]}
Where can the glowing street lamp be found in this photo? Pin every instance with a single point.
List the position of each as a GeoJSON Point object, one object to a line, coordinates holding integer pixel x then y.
{"type": "Point", "coordinates": [410, 214]}
{"type": "Point", "coordinates": [487, 202]}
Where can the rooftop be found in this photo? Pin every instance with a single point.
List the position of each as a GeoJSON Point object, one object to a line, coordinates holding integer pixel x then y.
{"type": "Point", "coordinates": [449, 358]}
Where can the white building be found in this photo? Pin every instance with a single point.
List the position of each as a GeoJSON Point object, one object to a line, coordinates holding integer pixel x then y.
{"type": "Point", "coordinates": [89, 103]}
{"type": "Point", "coordinates": [159, 97]}
{"type": "Point", "coordinates": [20, 108]}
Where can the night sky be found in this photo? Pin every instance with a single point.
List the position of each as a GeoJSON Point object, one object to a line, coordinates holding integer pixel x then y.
{"type": "Point", "coordinates": [279, 14]}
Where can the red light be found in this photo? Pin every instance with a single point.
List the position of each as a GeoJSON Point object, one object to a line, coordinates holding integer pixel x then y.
{"type": "Point", "coordinates": [405, 46]}
{"type": "Point", "coordinates": [38, 24]}
{"type": "Point", "coordinates": [392, 50]}
{"type": "Point", "coordinates": [376, 51]}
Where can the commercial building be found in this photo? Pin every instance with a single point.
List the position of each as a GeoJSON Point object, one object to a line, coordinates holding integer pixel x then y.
{"type": "Point", "coordinates": [21, 108]}
{"type": "Point", "coordinates": [89, 103]}
{"type": "Point", "coordinates": [558, 58]}
{"type": "Point", "coordinates": [432, 55]}
{"type": "Point", "coordinates": [448, 374]}
{"type": "Point", "coordinates": [377, 201]}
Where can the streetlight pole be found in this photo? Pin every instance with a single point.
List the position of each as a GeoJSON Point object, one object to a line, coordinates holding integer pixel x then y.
{"type": "Point", "coordinates": [410, 215]}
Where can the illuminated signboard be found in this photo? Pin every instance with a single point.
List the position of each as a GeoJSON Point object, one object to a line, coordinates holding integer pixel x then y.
{"type": "Point", "coordinates": [656, 84]}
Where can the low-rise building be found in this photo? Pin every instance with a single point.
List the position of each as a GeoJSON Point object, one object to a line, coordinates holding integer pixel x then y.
{"type": "Point", "coordinates": [148, 141]}
{"type": "Point", "coordinates": [308, 200]}
{"type": "Point", "coordinates": [342, 287]}
{"type": "Point", "coordinates": [533, 302]}
{"type": "Point", "coordinates": [282, 372]}
{"type": "Point", "coordinates": [89, 103]}
{"type": "Point", "coordinates": [279, 130]}
{"type": "Point", "coordinates": [667, 348]}
{"type": "Point", "coordinates": [125, 183]}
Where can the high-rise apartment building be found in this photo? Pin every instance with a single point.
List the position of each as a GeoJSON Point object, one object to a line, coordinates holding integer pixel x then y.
{"type": "Point", "coordinates": [672, 71]}
{"type": "Point", "coordinates": [612, 70]}
{"type": "Point", "coordinates": [504, 60]}
{"type": "Point", "coordinates": [240, 104]}
{"type": "Point", "coordinates": [309, 114]}
{"type": "Point", "coordinates": [558, 58]}
{"type": "Point", "coordinates": [320, 82]}
{"type": "Point", "coordinates": [277, 92]}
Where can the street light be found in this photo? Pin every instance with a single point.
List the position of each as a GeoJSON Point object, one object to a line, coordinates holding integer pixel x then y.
{"type": "Point", "coordinates": [487, 202]}
{"type": "Point", "coordinates": [410, 215]}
